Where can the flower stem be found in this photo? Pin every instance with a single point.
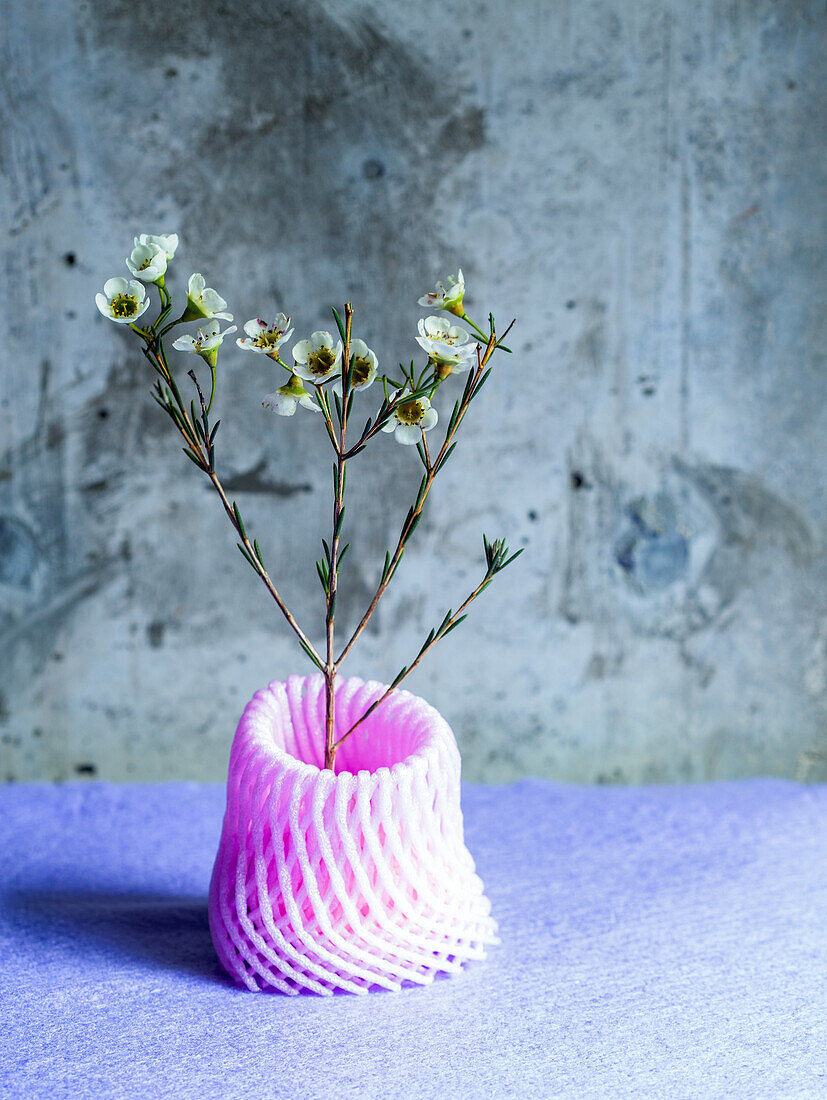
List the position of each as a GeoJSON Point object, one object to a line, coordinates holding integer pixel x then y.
{"type": "Point", "coordinates": [338, 508]}
{"type": "Point", "coordinates": [412, 519]}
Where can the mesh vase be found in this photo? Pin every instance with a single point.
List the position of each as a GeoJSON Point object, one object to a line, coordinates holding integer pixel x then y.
{"type": "Point", "coordinates": [350, 881]}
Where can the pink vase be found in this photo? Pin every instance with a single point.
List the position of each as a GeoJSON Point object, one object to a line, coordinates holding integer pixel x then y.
{"type": "Point", "coordinates": [347, 881]}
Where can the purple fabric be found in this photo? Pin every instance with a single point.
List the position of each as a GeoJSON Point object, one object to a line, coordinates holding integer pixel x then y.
{"type": "Point", "coordinates": [658, 941]}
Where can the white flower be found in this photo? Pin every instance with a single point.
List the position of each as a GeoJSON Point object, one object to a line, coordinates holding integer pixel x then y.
{"type": "Point", "coordinates": [448, 295]}
{"type": "Point", "coordinates": [206, 342]}
{"type": "Point", "coordinates": [447, 344]}
{"type": "Point", "coordinates": [123, 300]}
{"type": "Point", "coordinates": [410, 419]}
{"type": "Point", "coordinates": [365, 366]}
{"type": "Point", "coordinates": [317, 359]}
{"type": "Point", "coordinates": [148, 262]}
{"type": "Point", "coordinates": [287, 397]}
{"type": "Point", "coordinates": [203, 301]}
{"type": "Point", "coordinates": [167, 241]}
{"type": "Point", "coordinates": [266, 339]}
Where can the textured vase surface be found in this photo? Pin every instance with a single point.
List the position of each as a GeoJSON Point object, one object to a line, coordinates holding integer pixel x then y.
{"type": "Point", "coordinates": [346, 881]}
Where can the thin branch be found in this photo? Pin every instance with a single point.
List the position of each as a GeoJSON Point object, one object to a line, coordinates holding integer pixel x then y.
{"type": "Point", "coordinates": [449, 622]}
{"type": "Point", "coordinates": [415, 512]}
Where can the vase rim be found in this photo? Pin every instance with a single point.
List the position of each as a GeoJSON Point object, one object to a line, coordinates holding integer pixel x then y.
{"type": "Point", "coordinates": [265, 711]}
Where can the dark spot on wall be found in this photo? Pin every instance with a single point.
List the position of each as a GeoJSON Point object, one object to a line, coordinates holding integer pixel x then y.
{"type": "Point", "coordinates": [578, 481]}
{"type": "Point", "coordinates": [103, 413]}
{"type": "Point", "coordinates": [791, 85]}
{"type": "Point", "coordinates": [590, 350]}
{"type": "Point", "coordinates": [4, 710]}
{"type": "Point", "coordinates": [55, 435]}
{"type": "Point", "coordinates": [70, 259]}
{"type": "Point", "coordinates": [86, 769]}
{"type": "Point", "coordinates": [570, 304]}
{"type": "Point", "coordinates": [649, 391]}
{"type": "Point", "coordinates": [96, 486]}
{"type": "Point", "coordinates": [532, 515]}
{"type": "Point", "coordinates": [253, 481]}
{"type": "Point", "coordinates": [155, 633]}
{"type": "Point", "coordinates": [37, 732]}
{"type": "Point", "coordinates": [652, 552]}
{"type": "Point", "coordinates": [465, 132]}
{"type": "Point", "coordinates": [373, 169]}
{"type": "Point", "coordinates": [19, 553]}
{"type": "Point", "coordinates": [170, 73]}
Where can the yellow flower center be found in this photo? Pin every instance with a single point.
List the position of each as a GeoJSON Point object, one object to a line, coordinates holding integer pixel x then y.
{"type": "Point", "coordinates": [410, 412]}
{"type": "Point", "coordinates": [269, 339]}
{"type": "Point", "coordinates": [124, 305]}
{"type": "Point", "coordinates": [321, 361]}
{"type": "Point", "coordinates": [361, 370]}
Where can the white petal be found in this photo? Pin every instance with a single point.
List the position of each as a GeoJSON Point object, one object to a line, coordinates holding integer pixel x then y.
{"type": "Point", "coordinates": [102, 302]}
{"type": "Point", "coordinates": [255, 326]}
{"type": "Point", "coordinates": [303, 371]}
{"type": "Point", "coordinates": [359, 348]}
{"type": "Point", "coordinates": [184, 343]}
{"type": "Point", "coordinates": [408, 434]}
{"type": "Point", "coordinates": [390, 425]}
{"type": "Point", "coordinates": [302, 351]}
{"type": "Point", "coordinates": [429, 420]}
{"type": "Point", "coordinates": [224, 316]}
{"type": "Point", "coordinates": [425, 403]}
{"type": "Point", "coordinates": [281, 322]}
{"type": "Point", "coordinates": [118, 285]}
{"type": "Point", "coordinates": [138, 289]}
{"type": "Point", "coordinates": [320, 339]}
{"type": "Point", "coordinates": [307, 402]}
{"type": "Point", "coordinates": [424, 342]}
{"type": "Point", "coordinates": [196, 284]}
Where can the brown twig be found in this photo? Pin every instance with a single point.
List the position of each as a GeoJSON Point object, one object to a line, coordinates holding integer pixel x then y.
{"type": "Point", "coordinates": [338, 507]}
{"type": "Point", "coordinates": [413, 515]}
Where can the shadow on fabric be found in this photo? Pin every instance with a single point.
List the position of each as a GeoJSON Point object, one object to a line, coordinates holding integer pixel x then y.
{"type": "Point", "coordinates": [153, 929]}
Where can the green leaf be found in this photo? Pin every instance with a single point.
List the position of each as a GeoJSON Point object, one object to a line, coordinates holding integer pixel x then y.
{"type": "Point", "coordinates": [246, 555]}
{"type": "Point", "coordinates": [339, 324]}
{"type": "Point", "coordinates": [309, 653]}
{"type": "Point", "coordinates": [512, 558]}
{"type": "Point", "coordinates": [258, 551]}
{"type": "Point", "coordinates": [455, 624]}
{"type": "Point", "coordinates": [447, 454]}
{"type": "Point", "coordinates": [239, 521]}
{"type": "Point", "coordinates": [342, 553]}
{"type": "Point", "coordinates": [322, 578]}
{"type": "Point", "coordinates": [400, 676]}
{"type": "Point", "coordinates": [192, 457]}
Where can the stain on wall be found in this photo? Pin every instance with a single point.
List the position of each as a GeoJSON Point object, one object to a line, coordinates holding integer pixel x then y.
{"type": "Point", "coordinates": [641, 185]}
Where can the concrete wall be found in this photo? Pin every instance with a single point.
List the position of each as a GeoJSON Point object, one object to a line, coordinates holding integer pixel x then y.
{"type": "Point", "coordinates": [641, 184]}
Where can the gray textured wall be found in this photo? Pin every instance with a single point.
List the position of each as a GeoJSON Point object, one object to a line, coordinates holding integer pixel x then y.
{"type": "Point", "coordinates": [642, 184]}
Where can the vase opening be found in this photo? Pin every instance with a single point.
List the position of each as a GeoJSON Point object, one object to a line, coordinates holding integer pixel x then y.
{"type": "Point", "coordinates": [381, 741]}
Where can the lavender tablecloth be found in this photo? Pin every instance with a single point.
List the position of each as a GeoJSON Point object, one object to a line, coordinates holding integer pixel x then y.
{"type": "Point", "coordinates": [657, 942]}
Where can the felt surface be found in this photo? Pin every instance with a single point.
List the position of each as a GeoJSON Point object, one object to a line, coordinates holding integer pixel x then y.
{"type": "Point", "coordinates": [659, 941]}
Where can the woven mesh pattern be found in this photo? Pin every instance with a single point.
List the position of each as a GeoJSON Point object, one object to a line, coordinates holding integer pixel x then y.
{"type": "Point", "coordinates": [360, 879]}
